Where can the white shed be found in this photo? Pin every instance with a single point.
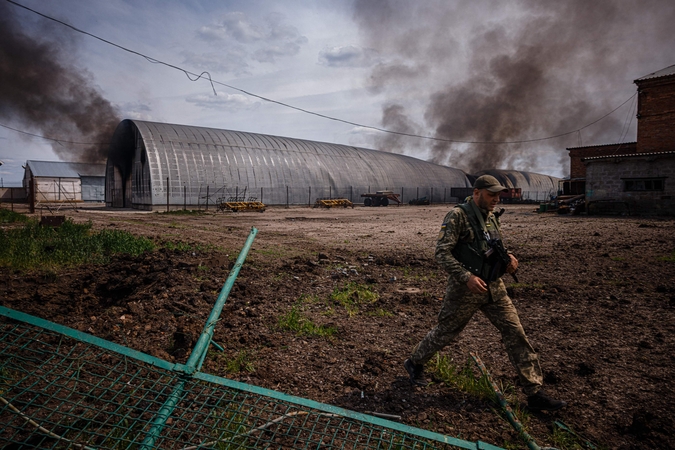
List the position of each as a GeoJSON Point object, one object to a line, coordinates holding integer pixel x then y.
{"type": "Point", "coordinates": [59, 182]}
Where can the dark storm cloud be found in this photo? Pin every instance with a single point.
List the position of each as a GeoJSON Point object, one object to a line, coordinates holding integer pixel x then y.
{"type": "Point", "coordinates": [42, 90]}
{"type": "Point", "coordinates": [505, 72]}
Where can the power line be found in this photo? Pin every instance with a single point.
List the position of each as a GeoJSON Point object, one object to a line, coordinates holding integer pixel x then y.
{"type": "Point", "coordinates": [190, 76]}
{"type": "Point", "coordinates": [629, 118]}
{"type": "Point", "coordinates": [60, 141]}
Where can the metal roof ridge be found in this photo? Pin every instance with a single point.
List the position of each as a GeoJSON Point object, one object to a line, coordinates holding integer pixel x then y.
{"type": "Point", "coordinates": [666, 71]}
{"type": "Point", "coordinates": [631, 155]}
{"type": "Point", "coordinates": [602, 145]}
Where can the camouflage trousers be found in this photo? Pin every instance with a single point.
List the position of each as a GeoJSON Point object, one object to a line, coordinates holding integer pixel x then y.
{"type": "Point", "coordinates": [459, 306]}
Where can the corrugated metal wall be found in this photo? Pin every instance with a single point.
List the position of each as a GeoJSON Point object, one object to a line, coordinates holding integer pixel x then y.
{"type": "Point", "coordinates": [534, 186]}
{"type": "Point", "coordinates": [152, 164]}
{"type": "Point", "coordinates": [93, 189]}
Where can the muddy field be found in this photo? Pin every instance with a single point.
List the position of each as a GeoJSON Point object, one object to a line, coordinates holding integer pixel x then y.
{"type": "Point", "coordinates": [596, 297]}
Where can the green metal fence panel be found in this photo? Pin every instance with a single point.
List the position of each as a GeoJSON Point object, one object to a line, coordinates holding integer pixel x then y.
{"type": "Point", "coordinates": [61, 389]}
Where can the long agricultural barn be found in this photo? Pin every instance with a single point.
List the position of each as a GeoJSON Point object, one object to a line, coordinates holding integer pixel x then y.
{"type": "Point", "coordinates": [533, 186]}
{"type": "Point", "coordinates": [157, 164]}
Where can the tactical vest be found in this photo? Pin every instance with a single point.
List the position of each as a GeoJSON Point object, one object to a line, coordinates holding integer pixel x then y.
{"type": "Point", "coordinates": [472, 254]}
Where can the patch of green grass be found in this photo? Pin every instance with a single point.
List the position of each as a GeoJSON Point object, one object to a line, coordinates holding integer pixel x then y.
{"type": "Point", "coordinates": [670, 258]}
{"type": "Point", "coordinates": [276, 252]}
{"type": "Point", "coordinates": [565, 438]}
{"type": "Point", "coordinates": [185, 247]}
{"type": "Point", "coordinates": [175, 224]}
{"type": "Point", "coordinates": [297, 322]}
{"type": "Point", "coordinates": [180, 246]}
{"type": "Point", "coordinates": [617, 258]}
{"type": "Point", "coordinates": [380, 313]}
{"type": "Point", "coordinates": [229, 429]}
{"type": "Point", "coordinates": [352, 295]}
{"type": "Point", "coordinates": [463, 378]}
{"type": "Point", "coordinates": [281, 276]}
{"type": "Point", "coordinates": [33, 246]}
{"type": "Point", "coordinates": [309, 298]}
{"type": "Point", "coordinates": [241, 362]}
{"type": "Point", "coordinates": [7, 216]}
{"type": "Point", "coordinates": [6, 380]}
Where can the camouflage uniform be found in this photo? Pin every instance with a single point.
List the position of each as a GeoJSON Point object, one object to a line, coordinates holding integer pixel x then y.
{"type": "Point", "coordinates": [460, 304]}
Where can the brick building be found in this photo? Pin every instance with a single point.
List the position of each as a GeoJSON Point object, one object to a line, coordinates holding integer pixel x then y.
{"type": "Point", "coordinates": [656, 111]}
{"type": "Point", "coordinates": [577, 182]}
{"type": "Point", "coordinates": [635, 177]}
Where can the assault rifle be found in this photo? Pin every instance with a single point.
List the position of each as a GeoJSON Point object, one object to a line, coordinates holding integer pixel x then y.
{"type": "Point", "coordinates": [499, 258]}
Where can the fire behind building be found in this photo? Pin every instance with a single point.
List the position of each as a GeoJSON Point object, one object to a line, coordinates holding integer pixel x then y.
{"type": "Point", "coordinates": [633, 177]}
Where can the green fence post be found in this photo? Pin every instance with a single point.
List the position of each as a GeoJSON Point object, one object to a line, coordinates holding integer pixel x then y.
{"type": "Point", "coordinates": [195, 360]}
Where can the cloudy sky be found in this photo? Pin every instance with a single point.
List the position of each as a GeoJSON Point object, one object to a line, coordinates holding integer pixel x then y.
{"type": "Point", "coordinates": [475, 78]}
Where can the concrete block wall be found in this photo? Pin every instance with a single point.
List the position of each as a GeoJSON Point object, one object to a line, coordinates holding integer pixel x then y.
{"type": "Point", "coordinates": [604, 183]}
{"type": "Point", "coordinates": [578, 168]}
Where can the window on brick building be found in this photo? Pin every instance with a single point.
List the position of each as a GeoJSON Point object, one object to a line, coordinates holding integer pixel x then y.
{"type": "Point", "coordinates": [643, 184]}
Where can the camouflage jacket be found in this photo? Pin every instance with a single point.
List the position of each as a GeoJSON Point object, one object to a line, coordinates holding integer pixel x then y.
{"type": "Point", "coordinates": [456, 229]}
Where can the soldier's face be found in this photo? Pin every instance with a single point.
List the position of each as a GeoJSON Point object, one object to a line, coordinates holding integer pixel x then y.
{"type": "Point", "coordinates": [486, 199]}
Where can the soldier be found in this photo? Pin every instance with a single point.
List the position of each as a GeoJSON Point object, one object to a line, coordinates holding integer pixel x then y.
{"type": "Point", "coordinates": [472, 286]}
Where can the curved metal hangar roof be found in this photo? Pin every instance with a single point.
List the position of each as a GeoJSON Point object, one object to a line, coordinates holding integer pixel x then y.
{"type": "Point", "coordinates": [147, 159]}
{"type": "Point", "coordinates": [533, 185]}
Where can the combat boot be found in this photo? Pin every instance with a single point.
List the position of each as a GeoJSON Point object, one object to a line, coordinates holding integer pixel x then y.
{"type": "Point", "coordinates": [541, 401]}
{"type": "Point", "coordinates": [416, 372]}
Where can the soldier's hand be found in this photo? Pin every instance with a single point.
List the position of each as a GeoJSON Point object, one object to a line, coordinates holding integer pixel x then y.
{"type": "Point", "coordinates": [476, 285]}
{"type": "Point", "coordinates": [511, 268]}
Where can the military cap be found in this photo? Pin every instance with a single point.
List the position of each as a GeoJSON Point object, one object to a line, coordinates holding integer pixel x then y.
{"type": "Point", "coordinates": [488, 182]}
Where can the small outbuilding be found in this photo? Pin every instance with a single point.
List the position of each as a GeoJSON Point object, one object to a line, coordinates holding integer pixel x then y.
{"type": "Point", "coordinates": [63, 182]}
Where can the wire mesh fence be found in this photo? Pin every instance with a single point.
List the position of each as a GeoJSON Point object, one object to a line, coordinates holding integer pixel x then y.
{"type": "Point", "coordinates": [209, 196]}
{"type": "Point", "coordinates": [62, 389]}
{"type": "Point", "coordinates": [57, 391]}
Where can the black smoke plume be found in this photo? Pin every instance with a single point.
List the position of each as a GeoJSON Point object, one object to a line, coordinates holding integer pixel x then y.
{"type": "Point", "coordinates": [43, 91]}
{"type": "Point", "coordinates": [488, 71]}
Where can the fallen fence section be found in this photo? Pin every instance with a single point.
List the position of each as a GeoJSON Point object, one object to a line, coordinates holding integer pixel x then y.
{"type": "Point", "coordinates": [62, 389]}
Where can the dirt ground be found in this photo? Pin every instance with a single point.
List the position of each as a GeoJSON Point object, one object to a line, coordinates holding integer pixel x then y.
{"type": "Point", "coordinates": [596, 297]}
